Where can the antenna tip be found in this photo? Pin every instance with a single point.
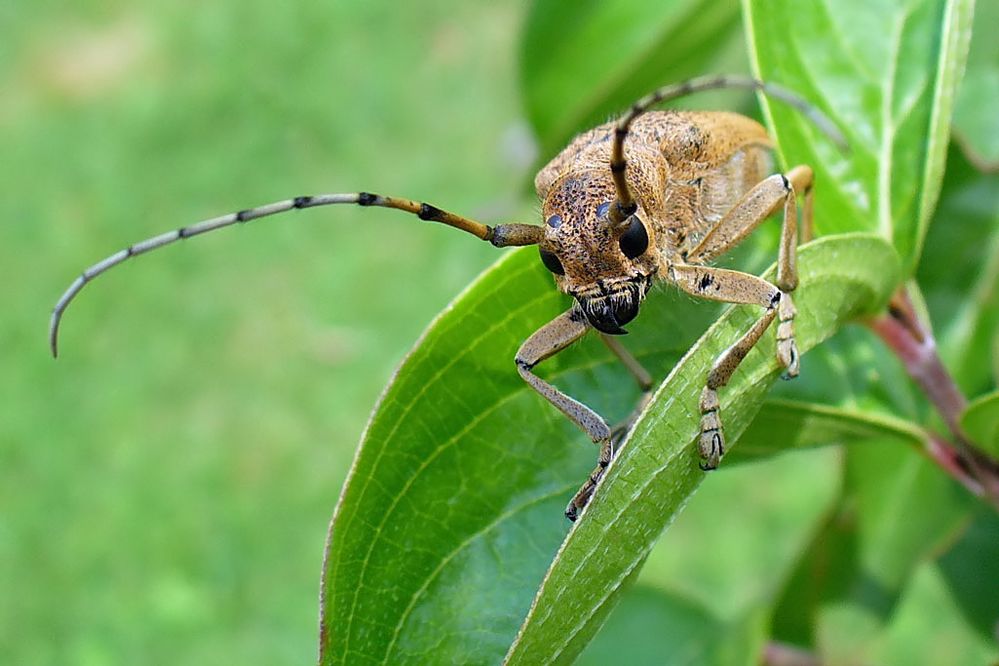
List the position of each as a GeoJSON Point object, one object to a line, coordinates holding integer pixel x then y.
{"type": "Point", "coordinates": [54, 335]}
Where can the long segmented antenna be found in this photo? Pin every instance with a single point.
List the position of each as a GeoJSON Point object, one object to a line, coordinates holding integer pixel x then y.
{"type": "Point", "coordinates": [625, 204]}
{"type": "Point", "coordinates": [502, 235]}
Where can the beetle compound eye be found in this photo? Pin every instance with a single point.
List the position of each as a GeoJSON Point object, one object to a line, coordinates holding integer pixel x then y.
{"type": "Point", "coordinates": [635, 240]}
{"type": "Point", "coordinates": [552, 262]}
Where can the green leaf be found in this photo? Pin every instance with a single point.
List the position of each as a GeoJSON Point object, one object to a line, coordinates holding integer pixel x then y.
{"type": "Point", "coordinates": [852, 371]}
{"type": "Point", "coordinates": [886, 73]}
{"type": "Point", "coordinates": [976, 123]}
{"type": "Point", "coordinates": [456, 495]}
{"type": "Point", "coordinates": [889, 488]}
{"type": "Point", "coordinates": [741, 535]}
{"type": "Point", "coordinates": [981, 422]}
{"type": "Point", "coordinates": [896, 512]}
{"type": "Point", "coordinates": [455, 498]}
{"type": "Point", "coordinates": [972, 561]}
{"type": "Point", "coordinates": [660, 628]}
{"type": "Point", "coordinates": [930, 629]}
{"type": "Point", "coordinates": [959, 273]}
{"type": "Point", "coordinates": [656, 471]}
{"type": "Point", "coordinates": [822, 574]}
{"type": "Point", "coordinates": [616, 52]}
{"type": "Point", "coordinates": [783, 424]}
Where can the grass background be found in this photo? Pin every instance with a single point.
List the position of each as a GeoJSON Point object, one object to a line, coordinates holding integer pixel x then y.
{"type": "Point", "coordinates": [166, 485]}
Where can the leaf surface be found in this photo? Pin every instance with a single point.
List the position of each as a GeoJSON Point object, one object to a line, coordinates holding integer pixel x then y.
{"type": "Point", "coordinates": [959, 273]}
{"type": "Point", "coordinates": [652, 626]}
{"type": "Point", "coordinates": [981, 422]}
{"type": "Point", "coordinates": [455, 498]}
{"type": "Point", "coordinates": [886, 73]}
{"type": "Point", "coordinates": [976, 122]}
{"type": "Point", "coordinates": [456, 495]}
{"type": "Point", "coordinates": [616, 52]}
{"type": "Point", "coordinates": [929, 628]}
{"type": "Point", "coordinates": [784, 424]}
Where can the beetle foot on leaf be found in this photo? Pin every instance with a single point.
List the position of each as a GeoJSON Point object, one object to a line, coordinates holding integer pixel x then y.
{"type": "Point", "coordinates": [585, 493]}
{"type": "Point", "coordinates": [712, 441]}
{"type": "Point", "coordinates": [787, 350]}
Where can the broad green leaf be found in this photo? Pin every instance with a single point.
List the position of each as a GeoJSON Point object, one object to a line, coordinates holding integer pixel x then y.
{"type": "Point", "coordinates": [981, 422]}
{"type": "Point", "coordinates": [889, 487]}
{"type": "Point", "coordinates": [582, 61]}
{"type": "Point", "coordinates": [971, 568]}
{"type": "Point", "coordinates": [959, 273]}
{"type": "Point", "coordinates": [738, 540]}
{"type": "Point", "coordinates": [929, 628]}
{"type": "Point", "coordinates": [976, 122]}
{"type": "Point", "coordinates": [886, 73]}
{"type": "Point", "coordinates": [656, 471]}
{"type": "Point", "coordinates": [656, 628]}
{"type": "Point", "coordinates": [995, 356]}
{"type": "Point", "coordinates": [456, 495]}
{"type": "Point", "coordinates": [855, 371]}
{"type": "Point", "coordinates": [896, 512]}
{"type": "Point", "coordinates": [847, 632]}
{"type": "Point", "coordinates": [784, 424]}
{"type": "Point", "coordinates": [470, 351]}
{"type": "Point", "coordinates": [823, 574]}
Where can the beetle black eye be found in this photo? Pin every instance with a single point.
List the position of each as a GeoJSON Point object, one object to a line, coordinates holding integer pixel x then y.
{"type": "Point", "coordinates": [635, 240]}
{"type": "Point", "coordinates": [552, 262]}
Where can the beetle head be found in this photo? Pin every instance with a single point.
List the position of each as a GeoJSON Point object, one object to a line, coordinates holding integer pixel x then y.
{"type": "Point", "coordinates": [608, 268]}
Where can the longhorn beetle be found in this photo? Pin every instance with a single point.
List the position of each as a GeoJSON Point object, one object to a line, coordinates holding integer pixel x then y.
{"type": "Point", "coordinates": [655, 195]}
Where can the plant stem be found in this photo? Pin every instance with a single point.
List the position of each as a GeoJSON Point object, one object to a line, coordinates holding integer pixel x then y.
{"type": "Point", "coordinates": [781, 654]}
{"type": "Point", "coordinates": [912, 341]}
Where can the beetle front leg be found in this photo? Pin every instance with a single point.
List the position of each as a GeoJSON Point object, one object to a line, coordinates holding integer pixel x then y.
{"type": "Point", "coordinates": [756, 206]}
{"type": "Point", "coordinates": [641, 377]}
{"type": "Point", "coordinates": [712, 440]}
{"type": "Point", "coordinates": [730, 286]}
{"type": "Point", "coordinates": [547, 341]}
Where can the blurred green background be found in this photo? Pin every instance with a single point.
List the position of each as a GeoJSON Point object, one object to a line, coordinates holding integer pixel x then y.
{"type": "Point", "coordinates": [165, 487]}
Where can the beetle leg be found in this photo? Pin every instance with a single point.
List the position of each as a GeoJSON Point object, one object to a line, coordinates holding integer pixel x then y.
{"type": "Point", "coordinates": [753, 209]}
{"type": "Point", "coordinates": [547, 341]}
{"type": "Point", "coordinates": [712, 439]}
{"type": "Point", "coordinates": [642, 378]}
{"type": "Point", "coordinates": [544, 343]}
{"type": "Point", "coordinates": [748, 214]}
{"type": "Point", "coordinates": [729, 286]}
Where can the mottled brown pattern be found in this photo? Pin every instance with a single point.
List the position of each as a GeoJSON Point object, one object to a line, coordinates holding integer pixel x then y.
{"type": "Point", "coordinates": [686, 169]}
{"type": "Point", "coordinates": [700, 182]}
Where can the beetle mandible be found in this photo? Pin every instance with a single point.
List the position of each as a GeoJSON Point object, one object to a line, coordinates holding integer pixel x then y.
{"type": "Point", "coordinates": [655, 195]}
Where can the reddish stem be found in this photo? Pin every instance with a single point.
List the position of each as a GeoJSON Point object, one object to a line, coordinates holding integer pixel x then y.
{"type": "Point", "coordinates": [913, 343]}
{"type": "Point", "coordinates": [916, 347]}
{"type": "Point", "coordinates": [782, 654]}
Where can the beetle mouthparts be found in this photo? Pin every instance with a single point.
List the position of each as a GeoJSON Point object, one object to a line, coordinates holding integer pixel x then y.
{"type": "Point", "coordinates": [606, 324]}
{"type": "Point", "coordinates": [608, 312]}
